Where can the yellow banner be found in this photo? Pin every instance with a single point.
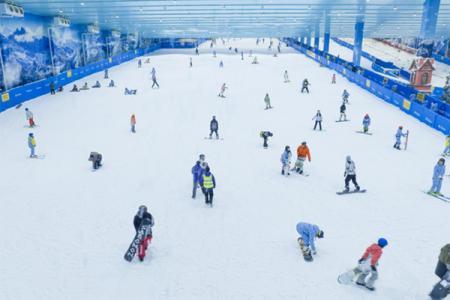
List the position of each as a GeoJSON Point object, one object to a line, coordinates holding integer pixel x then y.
{"type": "Point", "coordinates": [406, 104]}
{"type": "Point", "coordinates": [368, 83]}
{"type": "Point", "coordinates": [69, 73]}
{"type": "Point", "coordinates": [5, 97]}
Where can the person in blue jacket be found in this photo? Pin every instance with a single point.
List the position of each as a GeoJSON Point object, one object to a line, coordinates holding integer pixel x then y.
{"type": "Point", "coordinates": [197, 172]}
{"type": "Point", "coordinates": [366, 123]}
{"type": "Point", "coordinates": [398, 137]}
{"type": "Point", "coordinates": [286, 161]}
{"type": "Point", "coordinates": [208, 184]}
{"type": "Point", "coordinates": [438, 175]}
{"type": "Point", "coordinates": [308, 232]}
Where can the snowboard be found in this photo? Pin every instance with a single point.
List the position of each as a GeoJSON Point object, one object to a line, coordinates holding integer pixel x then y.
{"type": "Point", "coordinates": [18, 105]}
{"type": "Point", "coordinates": [306, 255]}
{"type": "Point", "coordinates": [351, 192]}
{"type": "Point", "coordinates": [221, 96]}
{"type": "Point", "coordinates": [346, 278]}
{"type": "Point", "coordinates": [268, 108]}
{"type": "Point", "coordinates": [440, 290]}
{"type": "Point", "coordinates": [208, 138]}
{"type": "Point", "coordinates": [134, 246]}
{"type": "Point", "coordinates": [339, 121]}
{"type": "Point", "coordinates": [42, 156]}
{"type": "Point", "coordinates": [362, 132]}
{"type": "Point", "coordinates": [443, 198]}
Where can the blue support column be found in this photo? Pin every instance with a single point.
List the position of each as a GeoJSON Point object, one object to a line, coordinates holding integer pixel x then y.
{"type": "Point", "coordinates": [429, 18]}
{"type": "Point", "coordinates": [326, 35]}
{"type": "Point", "coordinates": [308, 38]}
{"type": "Point", "coordinates": [357, 48]}
{"type": "Point", "coordinates": [316, 36]}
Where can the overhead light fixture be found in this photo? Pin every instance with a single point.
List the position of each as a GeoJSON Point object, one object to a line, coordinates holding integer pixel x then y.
{"type": "Point", "coordinates": [11, 10]}
{"type": "Point", "coordinates": [61, 21]}
{"type": "Point", "coordinates": [82, 3]}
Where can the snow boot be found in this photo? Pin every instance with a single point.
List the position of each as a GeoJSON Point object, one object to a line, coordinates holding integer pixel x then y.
{"type": "Point", "coordinates": [357, 188]}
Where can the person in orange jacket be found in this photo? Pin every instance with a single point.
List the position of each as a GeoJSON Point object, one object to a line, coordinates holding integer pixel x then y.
{"type": "Point", "coordinates": [133, 123]}
{"type": "Point", "coordinates": [302, 154]}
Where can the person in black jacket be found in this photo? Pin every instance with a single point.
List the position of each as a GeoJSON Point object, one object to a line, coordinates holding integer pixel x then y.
{"type": "Point", "coordinates": [144, 218]}
{"type": "Point", "coordinates": [214, 128]}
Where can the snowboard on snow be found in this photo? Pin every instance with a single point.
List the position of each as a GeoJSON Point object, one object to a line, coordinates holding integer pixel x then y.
{"type": "Point", "coordinates": [347, 277]}
{"type": "Point", "coordinates": [440, 290]}
{"type": "Point", "coordinates": [339, 121]}
{"type": "Point", "coordinates": [41, 156]}
{"type": "Point", "coordinates": [210, 138]}
{"type": "Point", "coordinates": [134, 246]}
{"type": "Point", "coordinates": [306, 254]}
{"type": "Point", "coordinates": [443, 198]}
{"type": "Point", "coordinates": [351, 192]}
{"type": "Point", "coordinates": [362, 132]}
{"type": "Point", "coordinates": [268, 108]}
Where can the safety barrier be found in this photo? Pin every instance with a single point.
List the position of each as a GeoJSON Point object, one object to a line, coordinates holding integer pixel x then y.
{"type": "Point", "coordinates": [418, 107]}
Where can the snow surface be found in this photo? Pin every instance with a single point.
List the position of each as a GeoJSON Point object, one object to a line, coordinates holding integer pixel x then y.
{"type": "Point", "coordinates": [65, 228]}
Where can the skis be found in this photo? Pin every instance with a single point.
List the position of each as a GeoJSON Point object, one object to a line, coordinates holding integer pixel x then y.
{"type": "Point", "coordinates": [140, 234]}
{"type": "Point", "coordinates": [42, 156]}
{"type": "Point", "coordinates": [362, 132]}
{"type": "Point", "coordinates": [443, 198]}
{"type": "Point", "coordinates": [305, 252]}
{"type": "Point", "coordinates": [351, 192]}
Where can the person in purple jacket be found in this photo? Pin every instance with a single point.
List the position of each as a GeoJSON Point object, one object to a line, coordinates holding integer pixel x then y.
{"type": "Point", "coordinates": [197, 172]}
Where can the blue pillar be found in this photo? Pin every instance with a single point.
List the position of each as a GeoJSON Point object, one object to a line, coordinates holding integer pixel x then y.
{"type": "Point", "coordinates": [308, 37]}
{"type": "Point", "coordinates": [429, 18]}
{"type": "Point", "coordinates": [316, 36]}
{"type": "Point", "coordinates": [326, 35]}
{"type": "Point", "coordinates": [359, 35]}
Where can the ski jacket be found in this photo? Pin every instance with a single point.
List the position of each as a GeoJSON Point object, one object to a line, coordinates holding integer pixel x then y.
{"type": "Point", "coordinates": [399, 134]}
{"type": "Point", "coordinates": [373, 254]}
{"type": "Point", "coordinates": [303, 152]}
{"type": "Point", "coordinates": [197, 171]}
{"type": "Point", "coordinates": [95, 156]}
{"type": "Point", "coordinates": [343, 108]}
{"type": "Point", "coordinates": [439, 171]}
{"type": "Point", "coordinates": [29, 114]}
{"type": "Point", "coordinates": [366, 121]}
{"type": "Point", "coordinates": [153, 72]}
{"type": "Point", "coordinates": [444, 256]}
{"type": "Point", "coordinates": [308, 233]}
{"type": "Point", "coordinates": [140, 218]}
{"type": "Point", "coordinates": [31, 142]}
{"type": "Point", "coordinates": [318, 117]}
{"type": "Point", "coordinates": [305, 83]}
{"type": "Point", "coordinates": [207, 181]}
{"type": "Point", "coordinates": [214, 125]}
{"type": "Point", "coordinates": [350, 168]}
{"type": "Point", "coordinates": [133, 120]}
{"type": "Point", "coordinates": [286, 157]}
{"type": "Point", "coordinates": [267, 99]}
{"type": "Point", "coordinates": [345, 95]}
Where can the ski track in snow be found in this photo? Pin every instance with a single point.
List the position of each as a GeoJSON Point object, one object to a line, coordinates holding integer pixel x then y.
{"type": "Point", "coordinates": [65, 229]}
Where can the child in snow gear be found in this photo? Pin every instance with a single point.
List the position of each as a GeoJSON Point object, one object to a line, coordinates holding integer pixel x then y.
{"type": "Point", "coordinates": [32, 145]}
{"type": "Point", "coordinates": [30, 118]}
{"type": "Point", "coordinates": [302, 154]}
{"type": "Point", "coordinates": [214, 128]}
{"type": "Point", "coordinates": [267, 101]}
{"type": "Point", "coordinates": [368, 264]}
{"type": "Point", "coordinates": [208, 183]}
{"type": "Point", "coordinates": [308, 232]}
{"type": "Point", "coordinates": [345, 96]}
{"type": "Point", "coordinates": [442, 288]}
{"type": "Point", "coordinates": [333, 79]}
{"type": "Point", "coordinates": [318, 119]}
{"type": "Point", "coordinates": [447, 146]}
{"type": "Point", "coordinates": [305, 85]}
{"type": "Point", "coordinates": [97, 84]}
{"type": "Point", "coordinates": [286, 161]}
{"type": "Point", "coordinates": [342, 110]}
{"type": "Point", "coordinates": [265, 135]}
{"type": "Point", "coordinates": [133, 123]}
{"type": "Point", "coordinates": [74, 88]}
{"type": "Point", "coordinates": [350, 174]}
{"type": "Point", "coordinates": [366, 123]}
{"type": "Point", "coordinates": [143, 217]}
{"type": "Point", "coordinates": [197, 172]}
{"type": "Point", "coordinates": [130, 92]}
{"type": "Point", "coordinates": [286, 76]}
{"type": "Point", "coordinates": [96, 159]}
{"type": "Point", "coordinates": [52, 88]}
{"type": "Point", "coordinates": [398, 137]}
{"type": "Point", "coordinates": [111, 83]}
{"type": "Point", "coordinates": [222, 90]}
{"type": "Point", "coordinates": [85, 87]}
{"type": "Point", "coordinates": [438, 175]}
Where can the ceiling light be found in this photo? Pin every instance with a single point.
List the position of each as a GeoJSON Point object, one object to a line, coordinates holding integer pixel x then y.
{"type": "Point", "coordinates": [82, 3]}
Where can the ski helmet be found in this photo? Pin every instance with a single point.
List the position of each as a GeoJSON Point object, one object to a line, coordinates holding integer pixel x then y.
{"type": "Point", "coordinates": [382, 242]}
{"type": "Point", "coordinates": [400, 127]}
{"type": "Point", "coordinates": [30, 134]}
{"type": "Point", "coordinates": [287, 148]}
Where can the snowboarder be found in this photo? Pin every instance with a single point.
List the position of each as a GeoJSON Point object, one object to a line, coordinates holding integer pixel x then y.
{"type": "Point", "coordinates": [333, 79]}
{"type": "Point", "coordinates": [214, 128]}
{"type": "Point", "coordinates": [442, 288]}
{"type": "Point", "coordinates": [447, 146]}
{"type": "Point", "coordinates": [96, 159]}
{"type": "Point", "coordinates": [222, 90]}
{"type": "Point", "coordinates": [190, 62]}
{"type": "Point", "coordinates": [30, 117]}
{"type": "Point", "coordinates": [197, 171]}
{"type": "Point", "coordinates": [265, 135]}
{"type": "Point", "coordinates": [208, 184]}
{"type": "Point", "coordinates": [305, 85]}
{"type": "Point", "coordinates": [302, 154]}
{"type": "Point", "coordinates": [438, 175]}
{"type": "Point", "coordinates": [106, 73]}
{"type": "Point", "coordinates": [366, 123]}
{"type": "Point", "coordinates": [367, 265]}
{"type": "Point", "coordinates": [139, 64]}
{"type": "Point", "coordinates": [111, 83]}
{"type": "Point", "coordinates": [52, 88]}
{"type": "Point", "coordinates": [286, 161]}
{"type": "Point", "coordinates": [143, 217]}
{"type": "Point", "coordinates": [308, 232]}
{"type": "Point", "coordinates": [32, 145]}
{"type": "Point", "coordinates": [196, 51]}
{"type": "Point", "coordinates": [345, 96]}
{"type": "Point", "coordinates": [398, 137]}
{"type": "Point", "coordinates": [318, 120]}
{"type": "Point", "coordinates": [286, 76]}
{"type": "Point", "coordinates": [133, 123]}
{"type": "Point", "coordinates": [255, 60]}
{"type": "Point", "coordinates": [84, 87]}
{"type": "Point", "coordinates": [350, 174]}
{"type": "Point", "coordinates": [267, 101]}
{"type": "Point", "coordinates": [74, 88]}
{"type": "Point", "coordinates": [154, 78]}
{"type": "Point", "coordinates": [342, 110]}
{"type": "Point", "coordinates": [221, 64]}
{"type": "Point", "coordinates": [96, 85]}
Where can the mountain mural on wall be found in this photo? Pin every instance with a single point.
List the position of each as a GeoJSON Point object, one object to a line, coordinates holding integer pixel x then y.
{"type": "Point", "coordinates": [66, 45]}
{"type": "Point", "coordinates": [94, 47]}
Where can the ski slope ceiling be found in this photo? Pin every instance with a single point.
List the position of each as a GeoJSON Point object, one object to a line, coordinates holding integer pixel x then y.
{"type": "Point", "coordinates": [245, 18]}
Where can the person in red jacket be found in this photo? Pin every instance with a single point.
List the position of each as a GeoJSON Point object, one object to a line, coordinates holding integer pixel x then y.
{"type": "Point", "coordinates": [368, 264]}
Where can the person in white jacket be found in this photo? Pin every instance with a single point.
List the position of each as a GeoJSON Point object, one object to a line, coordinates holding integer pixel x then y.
{"type": "Point", "coordinates": [350, 174]}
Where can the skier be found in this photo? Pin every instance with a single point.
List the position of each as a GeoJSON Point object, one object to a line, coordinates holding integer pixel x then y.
{"type": "Point", "coordinates": [144, 218]}
{"type": "Point", "coordinates": [447, 146]}
{"type": "Point", "coordinates": [267, 101]}
{"type": "Point", "coordinates": [221, 64]}
{"type": "Point", "coordinates": [438, 175]}
{"type": "Point", "coordinates": [96, 159]}
{"type": "Point", "coordinates": [308, 232]}
{"type": "Point", "coordinates": [286, 76]}
{"type": "Point", "coordinates": [342, 110]}
{"type": "Point", "coordinates": [32, 145]}
{"type": "Point", "coordinates": [190, 62]}
{"type": "Point", "coordinates": [345, 96]}
{"type": "Point", "coordinates": [133, 123]}
{"type": "Point", "coordinates": [255, 60]}
{"type": "Point", "coordinates": [302, 154]}
{"type": "Point", "coordinates": [442, 288]}
{"type": "Point", "coordinates": [106, 74]}
{"type": "Point", "coordinates": [333, 79]}
{"type": "Point", "coordinates": [208, 184]}
{"type": "Point", "coordinates": [265, 135]}
{"type": "Point", "coordinates": [111, 83]}
{"type": "Point", "coordinates": [398, 137]}
{"type": "Point", "coordinates": [74, 88]}
{"type": "Point", "coordinates": [214, 127]}
{"type": "Point", "coordinates": [96, 85]}
{"type": "Point", "coordinates": [222, 90]}
{"type": "Point", "coordinates": [318, 119]}
{"type": "Point", "coordinates": [286, 161]}
{"type": "Point", "coordinates": [29, 116]}
{"type": "Point", "coordinates": [305, 85]}
{"type": "Point", "coordinates": [139, 64]}
{"type": "Point", "coordinates": [52, 88]}
{"type": "Point", "coordinates": [350, 174]}
{"type": "Point", "coordinates": [366, 123]}
{"type": "Point", "coordinates": [154, 78]}
{"type": "Point", "coordinates": [196, 51]}
{"type": "Point", "coordinates": [197, 171]}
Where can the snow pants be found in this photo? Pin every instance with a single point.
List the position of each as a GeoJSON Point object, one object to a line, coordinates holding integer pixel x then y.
{"type": "Point", "coordinates": [362, 271]}
{"type": "Point", "coordinates": [31, 122]}
{"type": "Point", "coordinates": [155, 83]}
{"type": "Point", "coordinates": [214, 131]}
{"type": "Point", "coordinates": [32, 151]}
{"type": "Point", "coordinates": [265, 145]}
{"type": "Point", "coordinates": [351, 178]}
{"type": "Point", "coordinates": [437, 184]}
{"type": "Point", "coordinates": [209, 194]}
{"type": "Point", "coordinates": [286, 169]}
{"type": "Point", "coordinates": [343, 115]}
{"type": "Point", "coordinates": [305, 88]}
{"type": "Point", "coordinates": [194, 188]}
{"type": "Point", "coordinates": [143, 245]}
{"type": "Point", "coordinates": [365, 129]}
{"type": "Point", "coordinates": [299, 164]}
{"type": "Point", "coordinates": [268, 105]}
{"type": "Point", "coordinates": [133, 128]}
{"type": "Point", "coordinates": [318, 123]}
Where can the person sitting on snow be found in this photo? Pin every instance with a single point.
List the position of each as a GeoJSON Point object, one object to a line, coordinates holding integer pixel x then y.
{"type": "Point", "coordinates": [85, 86]}
{"type": "Point", "coordinates": [75, 88]}
{"type": "Point", "coordinates": [130, 92]}
{"type": "Point", "coordinates": [111, 83]}
{"type": "Point", "coordinates": [97, 84]}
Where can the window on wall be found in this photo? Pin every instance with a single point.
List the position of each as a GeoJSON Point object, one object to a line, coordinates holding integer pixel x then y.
{"type": "Point", "coordinates": [425, 77]}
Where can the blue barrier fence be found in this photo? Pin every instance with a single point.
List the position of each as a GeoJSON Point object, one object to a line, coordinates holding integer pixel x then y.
{"type": "Point", "coordinates": [32, 90]}
{"type": "Point", "coordinates": [372, 82]}
{"type": "Point", "coordinates": [442, 59]}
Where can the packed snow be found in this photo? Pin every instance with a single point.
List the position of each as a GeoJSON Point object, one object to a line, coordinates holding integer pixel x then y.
{"type": "Point", "coordinates": [65, 228]}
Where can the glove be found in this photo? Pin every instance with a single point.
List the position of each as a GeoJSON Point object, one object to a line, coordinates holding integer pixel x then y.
{"type": "Point", "coordinates": [373, 268]}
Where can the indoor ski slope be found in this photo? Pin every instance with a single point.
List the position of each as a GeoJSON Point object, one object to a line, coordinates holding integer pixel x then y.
{"type": "Point", "coordinates": [65, 228]}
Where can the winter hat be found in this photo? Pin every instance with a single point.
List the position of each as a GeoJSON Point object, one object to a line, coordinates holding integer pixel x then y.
{"type": "Point", "coordinates": [382, 242]}
{"type": "Point", "coordinates": [30, 134]}
{"type": "Point", "coordinates": [442, 159]}
{"type": "Point", "coordinates": [303, 143]}
{"type": "Point", "coordinates": [287, 148]}
{"type": "Point", "coordinates": [207, 169]}
{"type": "Point", "coordinates": [348, 158]}
{"type": "Point", "coordinates": [320, 234]}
